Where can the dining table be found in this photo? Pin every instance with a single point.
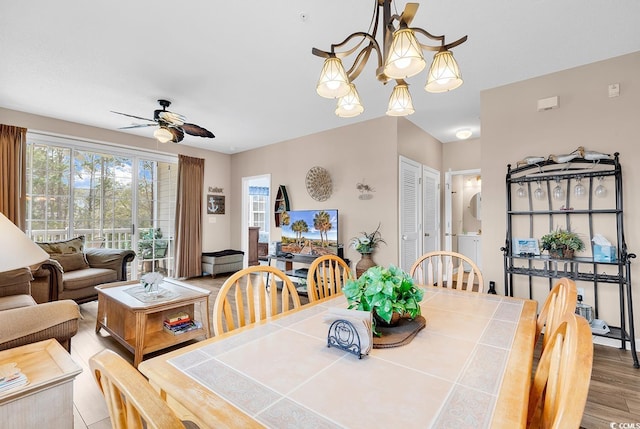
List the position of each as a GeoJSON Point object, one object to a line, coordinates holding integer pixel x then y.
{"type": "Point", "coordinates": [470, 366]}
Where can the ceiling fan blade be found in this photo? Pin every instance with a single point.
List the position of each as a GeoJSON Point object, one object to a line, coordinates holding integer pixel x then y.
{"type": "Point", "coordinates": [196, 130]}
{"type": "Point", "coordinates": [133, 116]}
{"type": "Point", "coordinates": [178, 134]}
{"type": "Point", "coordinates": [138, 126]}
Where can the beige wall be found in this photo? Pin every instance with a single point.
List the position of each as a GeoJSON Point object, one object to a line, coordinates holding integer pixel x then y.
{"type": "Point", "coordinates": [364, 151]}
{"type": "Point", "coordinates": [216, 236]}
{"type": "Point", "coordinates": [512, 129]}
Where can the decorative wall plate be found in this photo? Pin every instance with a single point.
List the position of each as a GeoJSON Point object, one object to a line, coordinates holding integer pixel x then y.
{"type": "Point", "coordinates": [319, 184]}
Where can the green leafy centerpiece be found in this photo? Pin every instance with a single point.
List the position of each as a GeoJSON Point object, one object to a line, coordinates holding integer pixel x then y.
{"type": "Point", "coordinates": [562, 243]}
{"type": "Point", "coordinates": [389, 293]}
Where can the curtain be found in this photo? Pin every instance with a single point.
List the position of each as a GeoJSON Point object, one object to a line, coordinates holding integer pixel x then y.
{"type": "Point", "coordinates": [189, 216]}
{"type": "Point", "coordinates": [13, 150]}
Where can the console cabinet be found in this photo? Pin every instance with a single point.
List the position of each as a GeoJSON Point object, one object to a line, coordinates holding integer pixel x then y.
{"type": "Point", "coordinates": [584, 196]}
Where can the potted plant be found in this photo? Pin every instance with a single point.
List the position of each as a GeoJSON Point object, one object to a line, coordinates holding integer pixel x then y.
{"type": "Point", "coordinates": [365, 244]}
{"type": "Point", "coordinates": [389, 293]}
{"type": "Point", "coordinates": [562, 243]}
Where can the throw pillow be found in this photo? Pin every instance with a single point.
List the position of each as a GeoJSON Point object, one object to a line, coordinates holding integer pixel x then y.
{"type": "Point", "coordinates": [74, 245]}
{"type": "Point", "coordinates": [70, 261]}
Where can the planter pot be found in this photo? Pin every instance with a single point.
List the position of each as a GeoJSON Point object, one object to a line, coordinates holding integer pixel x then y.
{"type": "Point", "coordinates": [395, 319]}
{"type": "Point", "coordinates": [563, 253]}
{"type": "Point", "coordinates": [364, 264]}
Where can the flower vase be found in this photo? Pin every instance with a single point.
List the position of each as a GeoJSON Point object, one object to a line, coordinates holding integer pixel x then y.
{"type": "Point", "coordinates": [364, 264]}
{"type": "Point", "coordinates": [151, 289]}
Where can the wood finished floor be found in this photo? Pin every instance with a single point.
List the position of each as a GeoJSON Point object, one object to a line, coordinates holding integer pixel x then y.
{"type": "Point", "coordinates": [614, 394]}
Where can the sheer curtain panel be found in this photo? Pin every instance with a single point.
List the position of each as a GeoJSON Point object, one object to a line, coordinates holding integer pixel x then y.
{"type": "Point", "coordinates": [189, 216]}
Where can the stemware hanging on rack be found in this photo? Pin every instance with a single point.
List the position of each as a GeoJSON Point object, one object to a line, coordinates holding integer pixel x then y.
{"type": "Point", "coordinates": [558, 192]}
{"type": "Point", "coordinates": [539, 193]}
{"type": "Point", "coordinates": [580, 190]}
{"type": "Point", "coordinates": [522, 191]}
{"type": "Point", "coordinates": [601, 191]}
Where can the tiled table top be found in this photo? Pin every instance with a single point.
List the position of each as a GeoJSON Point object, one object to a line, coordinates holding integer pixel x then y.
{"type": "Point", "coordinates": [282, 374]}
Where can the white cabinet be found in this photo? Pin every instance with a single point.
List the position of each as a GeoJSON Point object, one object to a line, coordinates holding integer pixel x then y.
{"type": "Point", "coordinates": [470, 246]}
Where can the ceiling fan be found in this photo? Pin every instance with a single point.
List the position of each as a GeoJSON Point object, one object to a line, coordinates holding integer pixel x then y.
{"type": "Point", "coordinates": [171, 125]}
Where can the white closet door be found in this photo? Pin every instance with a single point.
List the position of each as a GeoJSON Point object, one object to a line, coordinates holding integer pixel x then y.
{"type": "Point", "coordinates": [410, 212]}
{"type": "Point", "coordinates": [430, 209]}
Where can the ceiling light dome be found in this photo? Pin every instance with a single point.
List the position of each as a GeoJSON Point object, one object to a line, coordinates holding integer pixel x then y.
{"type": "Point", "coordinates": [464, 133]}
{"type": "Point", "coordinates": [163, 135]}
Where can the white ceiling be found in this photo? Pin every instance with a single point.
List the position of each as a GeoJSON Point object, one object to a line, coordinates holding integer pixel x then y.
{"type": "Point", "coordinates": [244, 69]}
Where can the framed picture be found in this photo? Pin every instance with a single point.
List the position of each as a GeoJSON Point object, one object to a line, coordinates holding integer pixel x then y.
{"type": "Point", "coordinates": [526, 247]}
{"type": "Point", "coordinates": [215, 204]}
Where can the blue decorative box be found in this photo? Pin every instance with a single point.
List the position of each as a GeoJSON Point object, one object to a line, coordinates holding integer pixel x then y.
{"type": "Point", "coordinates": [604, 253]}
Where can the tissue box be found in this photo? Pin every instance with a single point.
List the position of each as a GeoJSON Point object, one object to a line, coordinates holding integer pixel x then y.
{"type": "Point", "coordinates": [604, 253]}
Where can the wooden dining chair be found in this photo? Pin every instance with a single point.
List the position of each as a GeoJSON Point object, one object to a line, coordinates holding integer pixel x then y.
{"type": "Point", "coordinates": [449, 270]}
{"type": "Point", "coordinates": [561, 382]}
{"type": "Point", "coordinates": [132, 402]}
{"type": "Point", "coordinates": [327, 275]}
{"type": "Point", "coordinates": [561, 300]}
{"type": "Point", "coordinates": [257, 292]}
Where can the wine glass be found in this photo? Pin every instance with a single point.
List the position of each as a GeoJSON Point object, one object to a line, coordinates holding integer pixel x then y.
{"type": "Point", "coordinates": [579, 191]}
{"type": "Point", "coordinates": [539, 193]}
{"type": "Point", "coordinates": [522, 191]}
{"type": "Point", "coordinates": [601, 191]}
{"type": "Point", "coordinates": [558, 192]}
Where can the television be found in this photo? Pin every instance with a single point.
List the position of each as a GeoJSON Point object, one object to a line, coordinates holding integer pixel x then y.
{"type": "Point", "coordinates": [310, 232]}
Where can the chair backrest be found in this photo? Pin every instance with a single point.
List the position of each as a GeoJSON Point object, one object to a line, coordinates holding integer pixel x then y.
{"type": "Point", "coordinates": [327, 275]}
{"type": "Point", "coordinates": [561, 300]}
{"type": "Point", "coordinates": [131, 400]}
{"type": "Point", "coordinates": [254, 297]}
{"type": "Point", "coordinates": [448, 269]}
{"type": "Point", "coordinates": [561, 382]}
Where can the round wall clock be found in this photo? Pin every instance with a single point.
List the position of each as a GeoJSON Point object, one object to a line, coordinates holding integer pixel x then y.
{"type": "Point", "coordinates": [319, 184]}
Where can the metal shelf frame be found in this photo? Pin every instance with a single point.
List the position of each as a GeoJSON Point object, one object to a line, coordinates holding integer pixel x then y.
{"type": "Point", "coordinates": [583, 269]}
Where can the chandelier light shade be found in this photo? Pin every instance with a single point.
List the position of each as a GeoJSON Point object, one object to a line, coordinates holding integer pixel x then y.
{"type": "Point", "coordinates": [333, 81]}
{"type": "Point", "coordinates": [163, 135]}
{"type": "Point", "coordinates": [19, 250]}
{"type": "Point", "coordinates": [349, 105]}
{"type": "Point", "coordinates": [400, 103]}
{"type": "Point", "coordinates": [444, 73]}
{"type": "Point", "coordinates": [405, 56]}
{"type": "Point", "coordinates": [399, 54]}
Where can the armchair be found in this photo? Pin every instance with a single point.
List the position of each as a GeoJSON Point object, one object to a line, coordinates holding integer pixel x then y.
{"type": "Point", "coordinates": [73, 271]}
{"type": "Point", "coordinates": [22, 321]}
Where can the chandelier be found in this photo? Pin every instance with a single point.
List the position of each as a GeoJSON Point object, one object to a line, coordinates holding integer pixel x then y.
{"type": "Point", "coordinates": [400, 58]}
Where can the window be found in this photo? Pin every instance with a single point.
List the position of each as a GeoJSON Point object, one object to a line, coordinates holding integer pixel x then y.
{"type": "Point", "coordinates": [258, 200]}
{"type": "Point", "coordinates": [79, 188]}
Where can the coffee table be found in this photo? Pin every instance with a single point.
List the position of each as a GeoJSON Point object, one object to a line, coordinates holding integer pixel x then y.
{"type": "Point", "coordinates": [136, 321]}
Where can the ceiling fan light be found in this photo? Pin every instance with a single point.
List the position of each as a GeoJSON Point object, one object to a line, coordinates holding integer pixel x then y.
{"type": "Point", "coordinates": [333, 81]}
{"type": "Point", "coordinates": [400, 103]}
{"type": "Point", "coordinates": [444, 73]}
{"type": "Point", "coordinates": [405, 57]}
{"type": "Point", "coordinates": [163, 135]}
{"type": "Point", "coordinates": [349, 105]}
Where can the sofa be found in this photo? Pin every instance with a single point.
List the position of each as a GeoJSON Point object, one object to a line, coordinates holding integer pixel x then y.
{"type": "Point", "coordinates": [22, 321]}
{"type": "Point", "coordinates": [72, 272]}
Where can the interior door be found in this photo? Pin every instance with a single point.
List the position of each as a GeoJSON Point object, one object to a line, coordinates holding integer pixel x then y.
{"type": "Point", "coordinates": [447, 212]}
{"type": "Point", "coordinates": [430, 210]}
{"type": "Point", "coordinates": [410, 212]}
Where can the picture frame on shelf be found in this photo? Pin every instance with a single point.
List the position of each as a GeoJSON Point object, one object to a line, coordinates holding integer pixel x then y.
{"type": "Point", "coordinates": [526, 247]}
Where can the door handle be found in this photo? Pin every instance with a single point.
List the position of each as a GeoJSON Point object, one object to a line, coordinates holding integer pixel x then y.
{"type": "Point", "coordinates": [426, 234]}
{"type": "Point", "coordinates": [404, 237]}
